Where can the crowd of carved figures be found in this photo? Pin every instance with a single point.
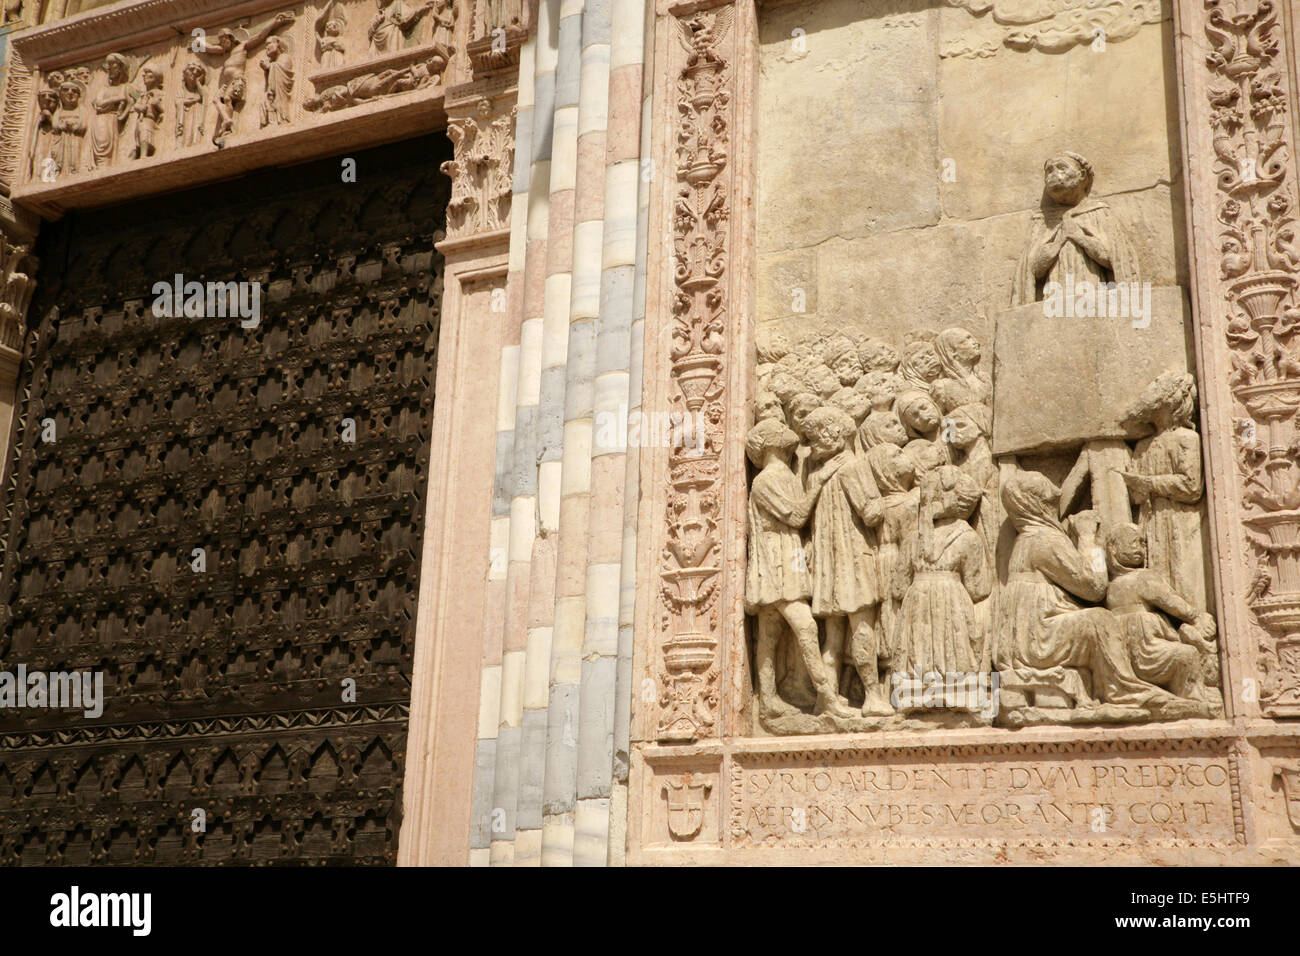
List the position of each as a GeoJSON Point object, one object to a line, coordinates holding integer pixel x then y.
{"type": "Point", "coordinates": [895, 566]}
{"type": "Point", "coordinates": [199, 91]}
{"type": "Point", "coordinates": [874, 518]}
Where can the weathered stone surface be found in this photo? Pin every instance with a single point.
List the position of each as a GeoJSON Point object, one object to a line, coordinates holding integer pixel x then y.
{"type": "Point", "coordinates": [1062, 380]}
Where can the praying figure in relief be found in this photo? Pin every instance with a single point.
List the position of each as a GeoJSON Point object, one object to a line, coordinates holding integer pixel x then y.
{"type": "Point", "coordinates": [1074, 239]}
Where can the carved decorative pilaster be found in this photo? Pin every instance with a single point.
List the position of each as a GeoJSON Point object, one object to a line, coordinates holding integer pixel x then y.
{"type": "Point", "coordinates": [1258, 315]}
{"type": "Point", "coordinates": [691, 563]}
{"type": "Point", "coordinates": [482, 169]}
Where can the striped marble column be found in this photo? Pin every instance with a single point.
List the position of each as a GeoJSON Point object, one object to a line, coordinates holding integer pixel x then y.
{"type": "Point", "coordinates": [609, 463]}
{"type": "Point", "coordinates": [571, 559]}
{"type": "Point", "coordinates": [515, 493]}
{"type": "Point", "coordinates": [531, 636]}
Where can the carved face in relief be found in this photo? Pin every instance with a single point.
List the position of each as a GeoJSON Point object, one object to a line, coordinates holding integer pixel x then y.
{"type": "Point", "coordinates": [47, 101]}
{"type": "Point", "coordinates": [70, 96]}
{"type": "Point", "coordinates": [193, 77]}
{"type": "Point", "coordinates": [966, 348]}
{"type": "Point", "coordinates": [1066, 180]}
{"type": "Point", "coordinates": [1126, 546]}
{"type": "Point", "coordinates": [921, 362]}
{"type": "Point", "coordinates": [274, 47]}
{"type": "Point", "coordinates": [115, 67]}
{"type": "Point", "coordinates": [919, 412]}
{"type": "Point", "coordinates": [841, 357]}
{"type": "Point", "coordinates": [801, 406]}
{"type": "Point", "coordinates": [828, 431]}
{"type": "Point", "coordinates": [878, 356]}
{"type": "Point", "coordinates": [227, 40]}
{"type": "Point", "coordinates": [151, 78]}
{"type": "Point", "coordinates": [333, 28]}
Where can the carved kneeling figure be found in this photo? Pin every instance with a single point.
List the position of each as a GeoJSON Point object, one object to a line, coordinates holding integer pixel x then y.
{"type": "Point", "coordinates": [1043, 618]}
{"type": "Point", "coordinates": [1137, 595]}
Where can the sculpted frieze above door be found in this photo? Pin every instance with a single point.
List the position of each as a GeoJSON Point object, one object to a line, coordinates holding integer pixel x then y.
{"type": "Point", "coordinates": [212, 94]}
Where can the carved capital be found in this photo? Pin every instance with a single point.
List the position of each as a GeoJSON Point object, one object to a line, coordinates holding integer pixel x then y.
{"type": "Point", "coordinates": [17, 283]}
{"type": "Point", "coordinates": [482, 131]}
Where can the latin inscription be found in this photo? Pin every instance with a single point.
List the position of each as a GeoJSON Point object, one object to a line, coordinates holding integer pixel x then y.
{"type": "Point", "coordinates": [1131, 798]}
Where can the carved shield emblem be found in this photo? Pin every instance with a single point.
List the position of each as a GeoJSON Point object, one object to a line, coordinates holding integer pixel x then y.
{"type": "Point", "coordinates": [1290, 777]}
{"type": "Point", "coordinates": [685, 806]}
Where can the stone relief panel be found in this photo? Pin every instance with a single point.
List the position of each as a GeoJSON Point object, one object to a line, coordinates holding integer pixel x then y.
{"type": "Point", "coordinates": [222, 83]}
{"type": "Point", "coordinates": [976, 491]}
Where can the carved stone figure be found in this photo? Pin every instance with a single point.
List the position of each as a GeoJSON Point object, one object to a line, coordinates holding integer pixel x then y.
{"type": "Point", "coordinates": [331, 48]}
{"type": "Point", "coordinates": [149, 107]}
{"type": "Point", "coordinates": [112, 105]}
{"type": "Point", "coordinates": [277, 66]}
{"type": "Point", "coordinates": [69, 124]}
{"type": "Point", "coordinates": [1074, 239]}
{"type": "Point", "coordinates": [1044, 618]}
{"type": "Point", "coordinates": [368, 86]}
{"type": "Point", "coordinates": [942, 571]}
{"type": "Point", "coordinates": [233, 48]}
{"type": "Point", "coordinates": [1141, 598]}
{"type": "Point", "coordinates": [394, 22]}
{"type": "Point", "coordinates": [191, 104]}
{"type": "Point", "coordinates": [777, 582]}
{"type": "Point", "coordinates": [868, 513]}
{"type": "Point", "coordinates": [846, 585]}
{"type": "Point", "coordinates": [1165, 483]}
{"type": "Point", "coordinates": [960, 381]}
{"type": "Point", "coordinates": [47, 104]}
